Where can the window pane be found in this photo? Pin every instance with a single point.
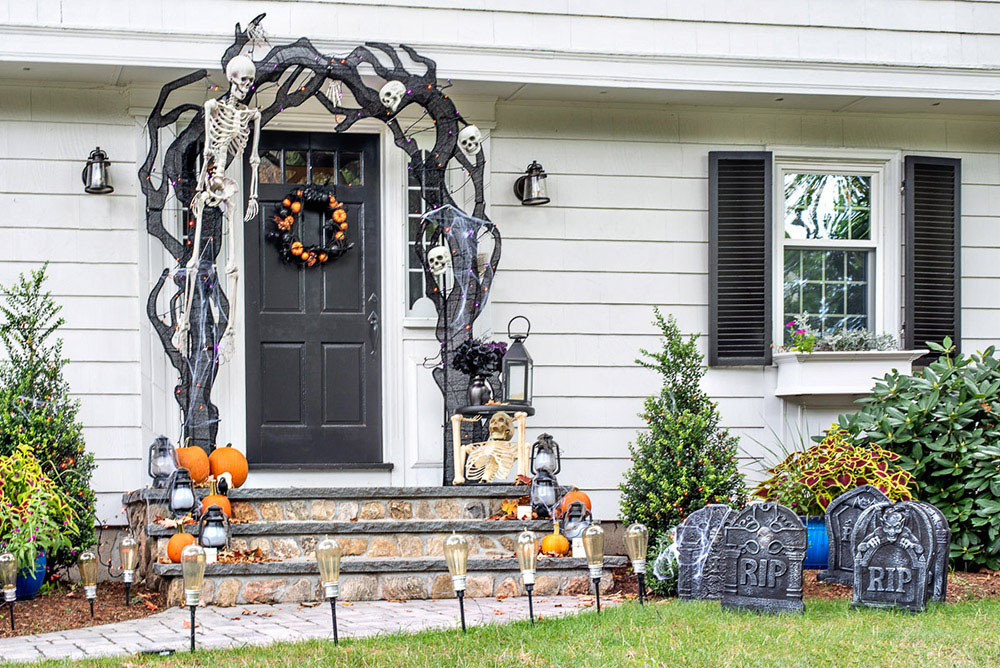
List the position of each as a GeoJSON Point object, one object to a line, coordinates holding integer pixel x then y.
{"type": "Point", "coordinates": [269, 170]}
{"type": "Point", "coordinates": [827, 206]}
{"type": "Point", "coordinates": [826, 288]}
{"type": "Point", "coordinates": [324, 168]}
{"type": "Point", "coordinates": [350, 169]}
{"type": "Point", "coordinates": [857, 266]}
{"type": "Point", "coordinates": [295, 167]}
{"type": "Point", "coordinates": [834, 265]}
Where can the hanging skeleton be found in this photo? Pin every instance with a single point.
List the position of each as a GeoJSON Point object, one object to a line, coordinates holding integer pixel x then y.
{"type": "Point", "coordinates": [227, 132]}
{"type": "Point", "coordinates": [492, 459]}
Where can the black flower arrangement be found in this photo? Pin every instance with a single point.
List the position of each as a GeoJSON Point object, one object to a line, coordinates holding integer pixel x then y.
{"type": "Point", "coordinates": [474, 357]}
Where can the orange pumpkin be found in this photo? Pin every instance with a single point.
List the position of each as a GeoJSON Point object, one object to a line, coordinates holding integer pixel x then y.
{"type": "Point", "coordinates": [343, 226]}
{"type": "Point", "coordinates": [286, 202]}
{"type": "Point", "coordinates": [195, 461]}
{"type": "Point", "coordinates": [575, 495]}
{"type": "Point", "coordinates": [296, 248]}
{"type": "Point", "coordinates": [323, 257]}
{"type": "Point", "coordinates": [296, 207]}
{"type": "Point", "coordinates": [229, 460]}
{"type": "Point", "coordinates": [305, 256]}
{"type": "Point", "coordinates": [177, 543]}
{"type": "Point", "coordinates": [339, 235]}
{"type": "Point", "coordinates": [339, 215]}
{"type": "Point", "coordinates": [555, 543]}
{"type": "Point", "coordinates": [216, 499]}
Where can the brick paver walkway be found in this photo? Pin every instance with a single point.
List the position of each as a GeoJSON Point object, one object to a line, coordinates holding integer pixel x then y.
{"type": "Point", "coordinates": [262, 624]}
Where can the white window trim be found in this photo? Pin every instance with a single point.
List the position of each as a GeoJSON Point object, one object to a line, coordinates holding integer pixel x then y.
{"type": "Point", "coordinates": [884, 168]}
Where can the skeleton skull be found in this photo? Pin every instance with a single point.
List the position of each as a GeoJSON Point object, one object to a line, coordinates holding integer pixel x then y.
{"type": "Point", "coordinates": [392, 94]}
{"type": "Point", "coordinates": [438, 259]}
{"type": "Point", "coordinates": [469, 140]}
{"type": "Point", "coordinates": [241, 72]}
{"type": "Point", "coordinates": [501, 427]}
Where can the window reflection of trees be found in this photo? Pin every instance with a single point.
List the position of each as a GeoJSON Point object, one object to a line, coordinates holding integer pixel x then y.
{"type": "Point", "coordinates": [828, 206]}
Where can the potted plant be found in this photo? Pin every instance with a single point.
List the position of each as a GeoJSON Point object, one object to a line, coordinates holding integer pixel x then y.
{"type": "Point", "coordinates": [479, 359]}
{"type": "Point", "coordinates": [36, 518]}
{"type": "Point", "coordinates": [808, 480]}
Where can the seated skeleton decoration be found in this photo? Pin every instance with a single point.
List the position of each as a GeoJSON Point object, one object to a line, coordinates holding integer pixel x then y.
{"type": "Point", "coordinates": [492, 459]}
{"type": "Point", "coordinates": [227, 132]}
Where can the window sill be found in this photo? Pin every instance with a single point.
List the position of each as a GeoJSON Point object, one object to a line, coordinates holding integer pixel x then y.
{"type": "Point", "coordinates": [837, 373]}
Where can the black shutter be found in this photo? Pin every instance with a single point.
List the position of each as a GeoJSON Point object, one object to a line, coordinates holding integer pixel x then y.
{"type": "Point", "coordinates": [933, 279]}
{"type": "Point", "coordinates": [739, 258]}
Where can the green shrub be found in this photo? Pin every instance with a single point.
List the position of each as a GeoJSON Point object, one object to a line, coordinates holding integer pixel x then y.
{"type": "Point", "coordinates": [36, 410]}
{"type": "Point", "coordinates": [807, 481]}
{"type": "Point", "coordinates": [945, 422]}
{"type": "Point", "coordinates": [684, 460]}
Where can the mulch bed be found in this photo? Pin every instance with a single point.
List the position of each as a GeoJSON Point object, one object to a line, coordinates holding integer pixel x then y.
{"type": "Point", "coordinates": [67, 608]}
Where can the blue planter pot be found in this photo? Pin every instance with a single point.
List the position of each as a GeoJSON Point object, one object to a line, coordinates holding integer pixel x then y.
{"type": "Point", "coordinates": [29, 584]}
{"type": "Point", "coordinates": [818, 550]}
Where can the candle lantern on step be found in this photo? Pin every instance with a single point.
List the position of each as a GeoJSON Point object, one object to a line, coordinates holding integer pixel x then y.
{"type": "Point", "coordinates": [456, 555]}
{"type": "Point", "coordinates": [182, 499]}
{"type": "Point", "coordinates": [575, 520]}
{"type": "Point", "coordinates": [543, 494]}
{"type": "Point", "coordinates": [518, 368]}
{"type": "Point", "coordinates": [162, 462]}
{"type": "Point", "coordinates": [8, 580]}
{"type": "Point", "coordinates": [88, 577]}
{"type": "Point", "coordinates": [593, 544]}
{"type": "Point", "coordinates": [545, 455]}
{"type": "Point", "coordinates": [128, 551]}
{"type": "Point", "coordinates": [328, 554]}
{"type": "Point", "coordinates": [637, 544]}
{"type": "Point", "coordinates": [193, 571]}
{"type": "Point", "coordinates": [213, 532]}
{"type": "Point", "coordinates": [527, 558]}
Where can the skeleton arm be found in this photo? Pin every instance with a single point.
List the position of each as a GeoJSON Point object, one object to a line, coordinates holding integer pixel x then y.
{"type": "Point", "coordinates": [251, 212]}
{"type": "Point", "coordinates": [206, 153]}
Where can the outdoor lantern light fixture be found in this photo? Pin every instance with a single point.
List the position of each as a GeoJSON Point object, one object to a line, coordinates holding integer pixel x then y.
{"type": "Point", "coordinates": [518, 367]}
{"type": "Point", "coordinates": [88, 577]}
{"type": "Point", "coordinates": [527, 558]}
{"type": "Point", "coordinates": [8, 579]}
{"type": "Point", "coordinates": [128, 550]}
{"type": "Point", "coordinates": [95, 173]}
{"type": "Point", "coordinates": [182, 497]}
{"type": "Point", "coordinates": [545, 456]}
{"type": "Point", "coordinates": [456, 555]}
{"type": "Point", "coordinates": [543, 494]}
{"type": "Point", "coordinates": [162, 462]}
{"type": "Point", "coordinates": [530, 188]}
{"type": "Point", "coordinates": [593, 545]}
{"type": "Point", "coordinates": [636, 544]}
{"type": "Point", "coordinates": [193, 570]}
{"type": "Point", "coordinates": [213, 531]}
{"type": "Point", "coordinates": [328, 557]}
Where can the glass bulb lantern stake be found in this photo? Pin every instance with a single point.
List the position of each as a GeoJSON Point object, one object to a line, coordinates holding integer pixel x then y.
{"type": "Point", "coordinates": [8, 580]}
{"type": "Point", "coordinates": [527, 560]}
{"type": "Point", "coordinates": [456, 556]}
{"type": "Point", "coordinates": [328, 555]}
{"type": "Point", "coordinates": [637, 545]}
{"type": "Point", "coordinates": [593, 545]}
{"type": "Point", "coordinates": [193, 570]}
{"type": "Point", "coordinates": [88, 577]}
{"type": "Point", "coordinates": [128, 551]}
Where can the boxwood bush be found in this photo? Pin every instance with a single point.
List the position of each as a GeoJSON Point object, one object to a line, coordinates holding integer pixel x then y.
{"type": "Point", "coordinates": [945, 422]}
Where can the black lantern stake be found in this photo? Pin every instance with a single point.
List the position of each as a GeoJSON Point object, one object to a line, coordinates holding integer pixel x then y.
{"type": "Point", "coordinates": [95, 173]}
{"type": "Point", "coordinates": [530, 188]}
{"type": "Point", "coordinates": [518, 368]}
{"type": "Point", "coordinates": [162, 462]}
{"type": "Point", "coordinates": [545, 456]}
{"type": "Point", "coordinates": [182, 499]}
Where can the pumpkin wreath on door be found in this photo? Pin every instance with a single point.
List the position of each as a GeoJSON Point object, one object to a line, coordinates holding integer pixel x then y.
{"type": "Point", "coordinates": [288, 213]}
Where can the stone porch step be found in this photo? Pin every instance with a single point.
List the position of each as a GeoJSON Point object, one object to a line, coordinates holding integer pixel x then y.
{"type": "Point", "coordinates": [297, 580]}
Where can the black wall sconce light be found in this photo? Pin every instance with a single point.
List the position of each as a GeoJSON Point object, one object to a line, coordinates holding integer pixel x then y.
{"type": "Point", "coordinates": [530, 188]}
{"type": "Point", "coordinates": [95, 173]}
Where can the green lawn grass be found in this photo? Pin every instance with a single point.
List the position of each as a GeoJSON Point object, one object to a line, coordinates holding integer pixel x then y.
{"type": "Point", "coordinates": [670, 633]}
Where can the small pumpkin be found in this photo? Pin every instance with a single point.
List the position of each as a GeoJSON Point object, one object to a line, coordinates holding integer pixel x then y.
{"type": "Point", "coordinates": [296, 248]}
{"type": "Point", "coordinates": [339, 236]}
{"type": "Point", "coordinates": [555, 543]}
{"type": "Point", "coordinates": [229, 460]}
{"type": "Point", "coordinates": [178, 542]}
{"type": "Point", "coordinates": [323, 257]}
{"type": "Point", "coordinates": [296, 207]}
{"type": "Point", "coordinates": [306, 255]}
{"type": "Point", "coordinates": [343, 226]}
{"type": "Point", "coordinates": [216, 499]}
{"type": "Point", "coordinates": [195, 461]}
{"type": "Point", "coordinates": [286, 202]}
{"type": "Point", "coordinates": [575, 495]}
{"type": "Point", "coordinates": [339, 215]}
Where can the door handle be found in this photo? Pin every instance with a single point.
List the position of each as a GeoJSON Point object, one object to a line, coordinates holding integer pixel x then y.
{"type": "Point", "coordinates": [373, 324]}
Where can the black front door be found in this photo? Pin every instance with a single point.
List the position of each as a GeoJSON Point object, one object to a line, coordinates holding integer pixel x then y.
{"type": "Point", "coordinates": [314, 385]}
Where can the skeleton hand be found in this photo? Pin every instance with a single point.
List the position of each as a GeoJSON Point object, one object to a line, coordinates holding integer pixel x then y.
{"type": "Point", "coordinates": [251, 210]}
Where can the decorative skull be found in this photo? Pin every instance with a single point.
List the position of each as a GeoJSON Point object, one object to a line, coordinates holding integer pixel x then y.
{"type": "Point", "coordinates": [241, 72]}
{"type": "Point", "coordinates": [469, 140]}
{"type": "Point", "coordinates": [392, 94]}
{"type": "Point", "coordinates": [501, 427]}
{"type": "Point", "coordinates": [438, 260]}
{"type": "Point", "coordinates": [893, 525]}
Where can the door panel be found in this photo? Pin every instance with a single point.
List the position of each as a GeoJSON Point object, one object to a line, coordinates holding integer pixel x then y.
{"type": "Point", "coordinates": [314, 387]}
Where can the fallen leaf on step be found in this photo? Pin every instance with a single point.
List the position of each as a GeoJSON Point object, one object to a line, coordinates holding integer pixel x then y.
{"type": "Point", "coordinates": [347, 604]}
{"type": "Point", "coordinates": [309, 605]}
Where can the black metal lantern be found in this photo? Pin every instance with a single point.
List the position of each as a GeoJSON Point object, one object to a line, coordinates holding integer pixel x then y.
{"type": "Point", "coordinates": [543, 494]}
{"type": "Point", "coordinates": [95, 173]}
{"type": "Point", "coordinates": [213, 530]}
{"type": "Point", "coordinates": [575, 519]}
{"type": "Point", "coordinates": [182, 499]}
{"type": "Point", "coordinates": [530, 188]}
{"type": "Point", "coordinates": [518, 368]}
{"type": "Point", "coordinates": [545, 455]}
{"type": "Point", "coordinates": [162, 462]}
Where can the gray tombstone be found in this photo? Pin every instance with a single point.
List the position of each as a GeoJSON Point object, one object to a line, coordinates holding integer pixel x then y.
{"type": "Point", "coordinates": [698, 573]}
{"type": "Point", "coordinates": [938, 565]}
{"type": "Point", "coordinates": [893, 547]}
{"type": "Point", "coordinates": [841, 515]}
{"type": "Point", "coordinates": [765, 545]}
